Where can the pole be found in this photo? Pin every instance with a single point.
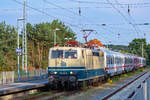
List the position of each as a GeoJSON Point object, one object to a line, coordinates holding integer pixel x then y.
{"type": "Point", "coordinates": [18, 57]}
{"type": "Point", "coordinates": [18, 48]}
{"type": "Point", "coordinates": [107, 45]}
{"type": "Point", "coordinates": [25, 39]}
{"type": "Point", "coordinates": [54, 37]}
{"type": "Point", "coordinates": [57, 29]}
{"type": "Point", "coordinates": [142, 49]}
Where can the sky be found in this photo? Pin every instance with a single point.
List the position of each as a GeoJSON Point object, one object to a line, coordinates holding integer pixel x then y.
{"type": "Point", "coordinates": [110, 19]}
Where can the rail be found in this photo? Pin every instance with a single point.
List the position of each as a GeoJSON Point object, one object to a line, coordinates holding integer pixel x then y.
{"type": "Point", "coordinates": [136, 89]}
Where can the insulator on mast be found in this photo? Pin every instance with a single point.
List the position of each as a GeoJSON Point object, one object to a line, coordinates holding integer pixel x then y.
{"type": "Point", "coordinates": [128, 10]}
{"type": "Point", "coordinates": [79, 9]}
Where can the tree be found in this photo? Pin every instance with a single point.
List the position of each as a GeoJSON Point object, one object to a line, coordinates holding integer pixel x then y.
{"type": "Point", "coordinates": [135, 47]}
{"type": "Point", "coordinates": [7, 46]}
{"type": "Point", "coordinates": [148, 54]}
{"type": "Point", "coordinates": [40, 39]}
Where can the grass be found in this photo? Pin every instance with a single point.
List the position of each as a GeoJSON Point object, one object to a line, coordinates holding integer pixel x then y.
{"type": "Point", "coordinates": [109, 80]}
{"type": "Point", "coordinates": [32, 95]}
{"type": "Point", "coordinates": [40, 94]}
{"type": "Point", "coordinates": [84, 86]}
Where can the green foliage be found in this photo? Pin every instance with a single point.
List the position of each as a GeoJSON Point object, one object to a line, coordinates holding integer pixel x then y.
{"type": "Point", "coordinates": [148, 54]}
{"type": "Point", "coordinates": [7, 47]}
{"type": "Point", "coordinates": [119, 48]}
{"type": "Point", "coordinates": [135, 47]}
{"type": "Point", "coordinates": [40, 39]}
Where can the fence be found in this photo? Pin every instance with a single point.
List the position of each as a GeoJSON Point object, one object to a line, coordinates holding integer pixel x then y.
{"type": "Point", "coordinates": [12, 76]}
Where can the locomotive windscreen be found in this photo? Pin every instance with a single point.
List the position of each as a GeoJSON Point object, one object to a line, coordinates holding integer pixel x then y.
{"type": "Point", "coordinates": [57, 53]}
{"type": "Point", "coordinates": [71, 54]}
{"type": "Point", "coordinates": [67, 54]}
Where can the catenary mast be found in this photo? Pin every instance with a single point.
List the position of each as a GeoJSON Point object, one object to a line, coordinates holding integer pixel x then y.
{"type": "Point", "coordinates": [24, 41]}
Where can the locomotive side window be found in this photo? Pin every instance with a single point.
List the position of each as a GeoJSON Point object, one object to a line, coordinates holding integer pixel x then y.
{"type": "Point", "coordinates": [95, 53]}
{"type": "Point", "coordinates": [82, 54]}
{"type": "Point", "coordinates": [71, 54]}
{"type": "Point", "coordinates": [57, 53]}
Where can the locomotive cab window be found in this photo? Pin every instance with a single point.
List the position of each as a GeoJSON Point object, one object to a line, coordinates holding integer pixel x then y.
{"type": "Point", "coordinates": [68, 54]}
{"type": "Point", "coordinates": [57, 54]}
{"type": "Point", "coordinates": [71, 54]}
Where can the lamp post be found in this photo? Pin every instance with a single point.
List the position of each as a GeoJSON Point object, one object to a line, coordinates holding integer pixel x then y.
{"type": "Point", "coordinates": [143, 45]}
{"type": "Point", "coordinates": [68, 39]}
{"type": "Point", "coordinates": [55, 35]}
{"type": "Point", "coordinates": [142, 49]}
{"type": "Point", "coordinates": [18, 50]}
{"type": "Point", "coordinates": [108, 44]}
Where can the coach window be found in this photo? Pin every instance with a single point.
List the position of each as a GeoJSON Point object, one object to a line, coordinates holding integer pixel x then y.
{"type": "Point", "coordinates": [125, 60]}
{"type": "Point", "coordinates": [108, 60]}
{"type": "Point", "coordinates": [112, 59]}
{"type": "Point", "coordinates": [119, 60]}
{"type": "Point", "coordinates": [116, 60]}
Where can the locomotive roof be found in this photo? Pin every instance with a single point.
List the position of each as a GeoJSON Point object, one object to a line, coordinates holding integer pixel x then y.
{"type": "Point", "coordinates": [55, 48]}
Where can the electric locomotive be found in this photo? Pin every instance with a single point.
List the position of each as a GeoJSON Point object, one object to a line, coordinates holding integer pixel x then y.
{"type": "Point", "coordinates": [69, 65]}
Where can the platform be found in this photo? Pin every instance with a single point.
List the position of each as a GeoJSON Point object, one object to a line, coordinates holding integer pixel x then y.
{"type": "Point", "coordinates": [21, 86]}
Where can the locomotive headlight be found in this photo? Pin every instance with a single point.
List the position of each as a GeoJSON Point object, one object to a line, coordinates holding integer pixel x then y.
{"type": "Point", "coordinates": [55, 72]}
{"type": "Point", "coordinates": [71, 72]}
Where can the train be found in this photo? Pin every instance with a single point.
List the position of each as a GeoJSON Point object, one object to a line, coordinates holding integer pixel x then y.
{"type": "Point", "coordinates": [70, 66]}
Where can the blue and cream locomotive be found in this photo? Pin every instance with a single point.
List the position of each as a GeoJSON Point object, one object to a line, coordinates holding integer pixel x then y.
{"type": "Point", "coordinates": [73, 65]}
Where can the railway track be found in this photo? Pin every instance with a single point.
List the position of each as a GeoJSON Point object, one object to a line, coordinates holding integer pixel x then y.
{"type": "Point", "coordinates": [53, 95]}
{"type": "Point", "coordinates": [58, 94]}
{"type": "Point", "coordinates": [124, 86]}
